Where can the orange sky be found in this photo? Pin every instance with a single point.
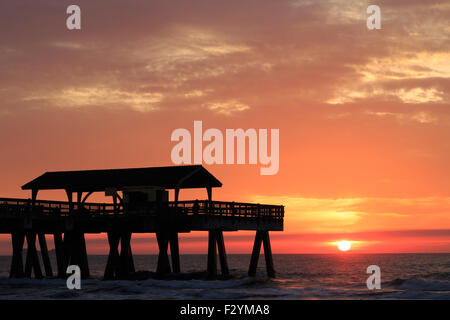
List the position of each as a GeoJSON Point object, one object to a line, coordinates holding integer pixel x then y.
{"type": "Point", "coordinates": [364, 116]}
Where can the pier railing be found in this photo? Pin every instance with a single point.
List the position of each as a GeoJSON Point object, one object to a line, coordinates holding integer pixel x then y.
{"type": "Point", "coordinates": [230, 209]}
{"type": "Point", "coordinates": [17, 207]}
{"type": "Point", "coordinates": [56, 208]}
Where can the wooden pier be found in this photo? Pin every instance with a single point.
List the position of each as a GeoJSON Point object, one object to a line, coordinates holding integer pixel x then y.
{"type": "Point", "coordinates": [140, 204]}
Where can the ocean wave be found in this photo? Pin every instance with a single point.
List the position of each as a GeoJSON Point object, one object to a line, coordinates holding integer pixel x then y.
{"type": "Point", "coordinates": [298, 277]}
{"type": "Point", "coordinates": [193, 284]}
{"type": "Point", "coordinates": [437, 275]}
{"type": "Point", "coordinates": [415, 284]}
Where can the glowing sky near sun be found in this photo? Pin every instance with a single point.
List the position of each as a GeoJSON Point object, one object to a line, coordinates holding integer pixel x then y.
{"type": "Point", "coordinates": [364, 116]}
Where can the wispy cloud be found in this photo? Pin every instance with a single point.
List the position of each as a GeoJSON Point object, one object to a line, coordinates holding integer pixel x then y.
{"type": "Point", "coordinates": [227, 107]}
{"type": "Point", "coordinates": [99, 96]}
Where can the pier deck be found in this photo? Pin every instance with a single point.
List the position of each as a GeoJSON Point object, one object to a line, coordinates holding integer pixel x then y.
{"type": "Point", "coordinates": [182, 216]}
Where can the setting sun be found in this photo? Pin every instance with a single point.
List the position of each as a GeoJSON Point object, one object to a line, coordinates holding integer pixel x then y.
{"type": "Point", "coordinates": [344, 245]}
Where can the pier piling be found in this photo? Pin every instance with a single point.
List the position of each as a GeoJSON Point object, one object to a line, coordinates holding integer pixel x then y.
{"type": "Point", "coordinates": [163, 267]}
{"type": "Point", "coordinates": [59, 251]}
{"type": "Point", "coordinates": [262, 236]}
{"type": "Point", "coordinates": [112, 265]}
{"type": "Point", "coordinates": [126, 257]}
{"type": "Point", "coordinates": [17, 239]}
{"type": "Point", "coordinates": [32, 259]}
{"type": "Point", "coordinates": [175, 252]}
{"type": "Point", "coordinates": [222, 253]}
{"type": "Point", "coordinates": [212, 255]}
{"type": "Point", "coordinates": [45, 256]}
{"type": "Point", "coordinates": [216, 244]}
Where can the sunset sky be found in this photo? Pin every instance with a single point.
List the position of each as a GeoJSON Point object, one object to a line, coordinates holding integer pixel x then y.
{"type": "Point", "coordinates": [364, 116]}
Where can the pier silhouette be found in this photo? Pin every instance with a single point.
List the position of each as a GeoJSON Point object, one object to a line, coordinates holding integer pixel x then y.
{"type": "Point", "coordinates": [140, 204]}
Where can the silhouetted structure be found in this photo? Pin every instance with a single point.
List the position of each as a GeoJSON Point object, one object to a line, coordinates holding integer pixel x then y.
{"type": "Point", "coordinates": [144, 207]}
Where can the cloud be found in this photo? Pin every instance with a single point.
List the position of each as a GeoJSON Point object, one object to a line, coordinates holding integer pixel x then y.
{"type": "Point", "coordinates": [183, 46]}
{"type": "Point", "coordinates": [227, 107]}
{"type": "Point", "coordinates": [419, 95]}
{"type": "Point", "coordinates": [196, 93]}
{"type": "Point", "coordinates": [392, 77]}
{"type": "Point", "coordinates": [99, 96]}
{"type": "Point", "coordinates": [405, 64]}
{"type": "Point", "coordinates": [305, 51]}
{"type": "Point", "coordinates": [324, 215]}
{"type": "Point", "coordinates": [67, 45]}
{"type": "Point", "coordinates": [422, 117]}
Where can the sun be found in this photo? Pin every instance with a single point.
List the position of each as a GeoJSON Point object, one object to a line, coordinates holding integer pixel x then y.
{"type": "Point", "coordinates": [344, 245]}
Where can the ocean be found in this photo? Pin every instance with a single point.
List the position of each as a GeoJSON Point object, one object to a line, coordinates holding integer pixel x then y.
{"type": "Point", "coordinates": [340, 276]}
